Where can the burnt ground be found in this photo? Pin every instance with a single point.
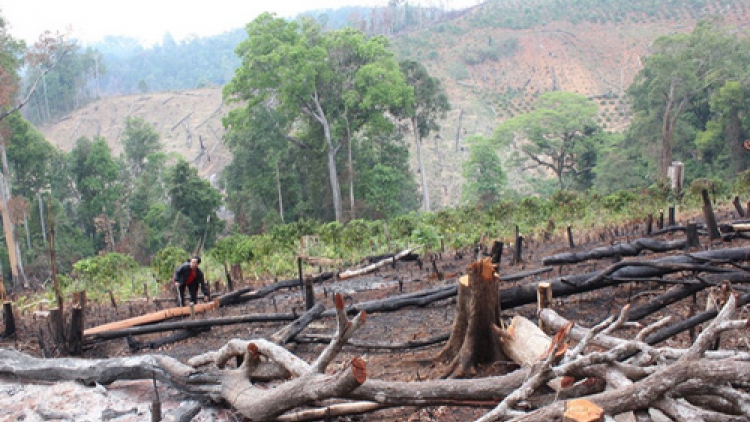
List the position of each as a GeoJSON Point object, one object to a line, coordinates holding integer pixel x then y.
{"type": "Point", "coordinates": [410, 323]}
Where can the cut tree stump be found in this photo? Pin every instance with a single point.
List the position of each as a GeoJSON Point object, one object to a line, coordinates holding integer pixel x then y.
{"type": "Point", "coordinates": [475, 338]}
{"type": "Point", "coordinates": [582, 410]}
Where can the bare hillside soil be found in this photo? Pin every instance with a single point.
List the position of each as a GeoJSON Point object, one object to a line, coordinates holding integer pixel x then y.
{"type": "Point", "coordinates": [415, 323]}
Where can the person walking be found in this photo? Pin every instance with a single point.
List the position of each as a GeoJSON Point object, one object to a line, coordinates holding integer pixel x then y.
{"type": "Point", "coordinates": [190, 276]}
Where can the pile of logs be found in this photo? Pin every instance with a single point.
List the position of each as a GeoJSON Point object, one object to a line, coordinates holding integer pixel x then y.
{"type": "Point", "coordinates": [602, 375]}
{"type": "Point", "coordinates": [619, 369]}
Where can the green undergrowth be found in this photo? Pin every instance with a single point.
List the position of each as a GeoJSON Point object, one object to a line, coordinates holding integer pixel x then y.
{"type": "Point", "coordinates": [272, 256]}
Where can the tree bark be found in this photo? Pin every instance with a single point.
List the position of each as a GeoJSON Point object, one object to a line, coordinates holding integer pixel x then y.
{"type": "Point", "coordinates": [633, 248]}
{"type": "Point", "coordinates": [479, 335]}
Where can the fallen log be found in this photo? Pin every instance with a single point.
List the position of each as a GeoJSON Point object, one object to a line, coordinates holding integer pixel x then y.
{"type": "Point", "coordinates": [419, 299]}
{"type": "Point", "coordinates": [691, 322]}
{"type": "Point", "coordinates": [372, 267]}
{"type": "Point", "coordinates": [247, 294]}
{"type": "Point", "coordinates": [683, 291]}
{"type": "Point", "coordinates": [384, 345]}
{"type": "Point", "coordinates": [153, 317]}
{"type": "Point", "coordinates": [135, 345]}
{"type": "Point", "coordinates": [186, 325]}
{"type": "Point", "coordinates": [286, 334]}
{"type": "Point", "coordinates": [622, 272]}
{"type": "Point", "coordinates": [633, 248]}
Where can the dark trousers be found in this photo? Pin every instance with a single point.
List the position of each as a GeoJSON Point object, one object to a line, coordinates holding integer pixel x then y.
{"type": "Point", "coordinates": [192, 289]}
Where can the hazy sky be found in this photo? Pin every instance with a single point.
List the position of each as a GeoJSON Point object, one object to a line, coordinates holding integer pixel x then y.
{"type": "Point", "coordinates": [149, 20]}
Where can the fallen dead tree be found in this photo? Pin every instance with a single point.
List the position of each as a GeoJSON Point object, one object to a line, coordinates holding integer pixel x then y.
{"type": "Point", "coordinates": [626, 271]}
{"type": "Point", "coordinates": [633, 248]}
{"type": "Point", "coordinates": [372, 267]}
{"type": "Point", "coordinates": [684, 290]}
{"type": "Point", "coordinates": [249, 293]}
{"type": "Point", "coordinates": [153, 317]}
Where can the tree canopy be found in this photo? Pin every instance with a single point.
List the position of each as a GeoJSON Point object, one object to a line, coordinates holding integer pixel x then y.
{"type": "Point", "coordinates": [324, 85]}
{"type": "Point", "coordinates": [558, 137]}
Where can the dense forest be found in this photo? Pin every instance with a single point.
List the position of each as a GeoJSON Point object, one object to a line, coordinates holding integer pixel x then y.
{"type": "Point", "coordinates": [328, 111]}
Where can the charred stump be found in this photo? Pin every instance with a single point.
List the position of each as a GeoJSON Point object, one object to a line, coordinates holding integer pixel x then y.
{"type": "Point", "coordinates": [475, 337]}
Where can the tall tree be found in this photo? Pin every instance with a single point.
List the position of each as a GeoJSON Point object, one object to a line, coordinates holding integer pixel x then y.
{"type": "Point", "coordinates": [680, 68]}
{"type": "Point", "coordinates": [96, 176]}
{"type": "Point", "coordinates": [296, 68]}
{"type": "Point", "coordinates": [45, 55]}
{"type": "Point", "coordinates": [559, 136]}
{"type": "Point", "coordinates": [483, 172]}
{"type": "Point", "coordinates": [430, 104]}
{"type": "Point", "coordinates": [139, 139]}
{"type": "Point", "coordinates": [194, 205]}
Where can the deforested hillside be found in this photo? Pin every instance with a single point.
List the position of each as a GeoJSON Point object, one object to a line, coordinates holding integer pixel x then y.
{"type": "Point", "coordinates": [189, 123]}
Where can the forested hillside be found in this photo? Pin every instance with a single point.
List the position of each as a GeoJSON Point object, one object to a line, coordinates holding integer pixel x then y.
{"type": "Point", "coordinates": [494, 61]}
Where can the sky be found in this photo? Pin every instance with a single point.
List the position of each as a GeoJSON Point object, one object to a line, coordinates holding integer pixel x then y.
{"type": "Point", "coordinates": [148, 20]}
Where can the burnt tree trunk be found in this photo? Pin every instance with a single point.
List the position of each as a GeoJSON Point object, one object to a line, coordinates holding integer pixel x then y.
{"type": "Point", "coordinates": [475, 338]}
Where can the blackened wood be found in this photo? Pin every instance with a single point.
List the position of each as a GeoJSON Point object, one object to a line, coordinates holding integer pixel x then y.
{"type": "Point", "coordinates": [10, 320]}
{"type": "Point", "coordinates": [633, 248]}
{"type": "Point", "coordinates": [286, 334]}
{"type": "Point", "coordinates": [385, 345]}
{"type": "Point", "coordinates": [75, 336]}
{"type": "Point", "coordinates": [57, 326]}
{"type": "Point", "coordinates": [738, 207]}
{"type": "Point", "coordinates": [187, 325]}
{"type": "Point", "coordinates": [568, 285]}
{"type": "Point", "coordinates": [675, 294]}
{"type": "Point", "coordinates": [497, 252]}
{"type": "Point", "coordinates": [249, 293]}
{"type": "Point", "coordinates": [660, 224]}
{"type": "Point", "coordinates": [228, 276]}
{"type": "Point", "coordinates": [672, 220]}
{"type": "Point", "coordinates": [309, 294]}
{"type": "Point", "coordinates": [708, 215]}
{"type": "Point", "coordinates": [519, 249]}
{"type": "Point", "coordinates": [689, 323]}
{"type": "Point", "coordinates": [649, 224]}
{"type": "Point", "coordinates": [571, 243]}
{"type": "Point", "coordinates": [134, 345]}
{"type": "Point", "coordinates": [692, 240]}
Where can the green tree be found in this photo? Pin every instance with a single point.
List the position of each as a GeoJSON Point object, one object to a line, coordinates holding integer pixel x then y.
{"type": "Point", "coordinates": [139, 139]}
{"type": "Point", "coordinates": [430, 104]}
{"type": "Point", "coordinates": [30, 157]}
{"type": "Point", "coordinates": [96, 176]}
{"type": "Point", "coordinates": [559, 137]}
{"type": "Point", "coordinates": [193, 207]}
{"type": "Point", "coordinates": [483, 172]}
{"type": "Point", "coordinates": [323, 80]}
{"type": "Point", "coordinates": [682, 69]}
{"type": "Point", "coordinates": [257, 180]}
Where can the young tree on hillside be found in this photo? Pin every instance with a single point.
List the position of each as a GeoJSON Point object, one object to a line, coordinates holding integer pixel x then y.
{"type": "Point", "coordinates": [139, 139]}
{"type": "Point", "coordinates": [558, 136]}
{"type": "Point", "coordinates": [299, 70]}
{"type": "Point", "coordinates": [193, 207]}
{"type": "Point", "coordinates": [483, 173]}
{"type": "Point", "coordinates": [430, 104]}
{"type": "Point", "coordinates": [96, 176]}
